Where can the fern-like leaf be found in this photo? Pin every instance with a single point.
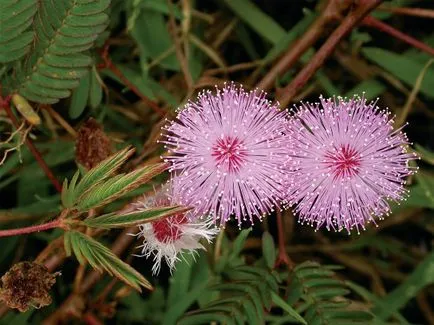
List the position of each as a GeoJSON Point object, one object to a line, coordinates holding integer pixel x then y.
{"type": "Point", "coordinates": [71, 192]}
{"type": "Point", "coordinates": [65, 30]}
{"type": "Point", "coordinates": [242, 299]}
{"type": "Point", "coordinates": [102, 171]}
{"type": "Point", "coordinates": [118, 185]}
{"type": "Point", "coordinates": [113, 220]}
{"type": "Point", "coordinates": [316, 285]}
{"type": "Point", "coordinates": [101, 258]}
{"type": "Point", "coordinates": [16, 17]}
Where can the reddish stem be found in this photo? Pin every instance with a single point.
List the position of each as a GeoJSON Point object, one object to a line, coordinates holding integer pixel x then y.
{"type": "Point", "coordinates": [418, 12]}
{"type": "Point", "coordinates": [352, 19]}
{"type": "Point", "coordinates": [33, 150]}
{"type": "Point", "coordinates": [331, 13]}
{"type": "Point", "coordinates": [28, 230]}
{"type": "Point", "coordinates": [108, 63]}
{"type": "Point", "coordinates": [373, 22]}
{"type": "Point", "coordinates": [283, 257]}
{"type": "Point", "coordinates": [90, 319]}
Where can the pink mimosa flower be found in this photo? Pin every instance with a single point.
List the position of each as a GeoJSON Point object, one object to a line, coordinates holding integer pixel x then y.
{"type": "Point", "coordinates": [169, 238]}
{"type": "Point", "coordinates": [349, 161]}
{"type": "Point", "coordinates": [230, 154]}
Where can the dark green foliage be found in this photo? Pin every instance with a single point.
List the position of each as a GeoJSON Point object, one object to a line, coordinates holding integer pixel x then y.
{"type": "Point", "coordinates": [322, 296]}
{"type": "Point", "coordinates": [242, 298]}
{"type": "Point", "coordinates": [268, 249]}
{"type": "Point", "coordinates": [79, 97]}
{"type": "Point", "coordinates": [16, 34]}
{"type": "Point", "coordinates": [64, 32]}
{"type": "Point", "coordinates": [315, 296]}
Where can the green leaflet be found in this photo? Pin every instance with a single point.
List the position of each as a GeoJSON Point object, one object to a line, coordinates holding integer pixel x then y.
{"type": "Point", "coordinates": [402, 67]}
{"type": "Point", "coordinates": [99, 187]}
{"type": "Point", "coordinates": [268, 249]}
{"type": "Point", "coordinates": [111, 220]}
{"type": "Point", "coordinates": [425, 154]}
{"type": "Point", "coordinates": [376, 301]}
{"type": "Point", "coordinates": [420, 278]}
{"type": "Point", "coordinates": [239, 242]}
{"type": "Point", "coordinates": [282, 304]}
{"type": "Point", "coordinates": [65, 31]}
{"type": "Point", "coordinates": [79, 98]}
{"type": "Point", "coordinates": [263, 24]}
{"type": "Point", "coordinates": [317, 286]}
{"type": "Point", "coordinates": [103, 170]}
{"type": "Point", "coordinates": [15, 33]}
{"type": "Point", "coordinates": [371, 87]}
{"type": "Point", "coordinates": [101, 258]}
{"type": "Point", "coordinates": [108, 191]}
{"type": "Point", "coordinates": [241, 300]}
{"type": "Point", "coordinates": [95, 90]}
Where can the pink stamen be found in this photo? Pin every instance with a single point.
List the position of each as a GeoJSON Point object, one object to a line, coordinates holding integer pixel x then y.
{"type": "Point", "coordinates": [344, 162]}
{"type": "Point", "coordinates": [229, 153]}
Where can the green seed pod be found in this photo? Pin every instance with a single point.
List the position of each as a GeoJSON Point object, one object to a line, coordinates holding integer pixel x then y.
{"type": "Point", "coordinates": [26, 110]}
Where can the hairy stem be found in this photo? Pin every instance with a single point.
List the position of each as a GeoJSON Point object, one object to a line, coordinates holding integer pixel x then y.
{"type": "Point", "coordinates": [286, 94]}
{"type": "Point", "coordinates": [28, 230]}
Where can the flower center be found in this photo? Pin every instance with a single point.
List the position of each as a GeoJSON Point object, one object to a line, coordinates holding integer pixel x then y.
{"type": "Point", "coordinates": [344, 162]}
{"type": "Point", "coordinates": [168, 229]}
{"type": "Point", "coordinates": [229, 152]}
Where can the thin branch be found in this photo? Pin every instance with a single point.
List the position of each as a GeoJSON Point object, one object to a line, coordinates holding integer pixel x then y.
{"type": "Point", "coordinates": [108, 63]}
{"type": "Point", "coordinates": [17, 147]}
{"type": "Point", "coordinates": [91, 319]}
{"type": "Point", "coordinates": [61, 121]}
{"type": "Point", "coordinates": [283, 257]}
{"type": "Point", "coordinates": [28, 230]}
{"type": "Point", "coordinates": [417, 12]}
{"type": "Point", "coordinates": [373, 22]}
{"type": "Point", "coordinates": [411, 98]}
{"type": "Point", "coordinates": [286, 94]}
{"type": "Point", "coordinates": [183, 62]}
{"type": "Point", "coordinates": [331, 13]}
{"type": "Point", "coordinates": [425, 307]}
{"type": "Point", "coordinates": [35, 151]}
{"type": "Point", "coordinates": [234, 68]}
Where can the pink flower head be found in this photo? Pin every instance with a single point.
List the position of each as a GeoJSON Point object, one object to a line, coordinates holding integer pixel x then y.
{"type": "Point", "coordinates": [230, 153]}
{"type": "Point", "coordinates": [348, 162]}
{"type": "Point", "coordinates": [169, 238]}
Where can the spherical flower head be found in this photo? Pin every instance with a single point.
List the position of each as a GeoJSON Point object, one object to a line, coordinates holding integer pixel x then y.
{"type": "Point", "coordinates": [169, 238]}
{"type": "Point", "coordinates": [348, 163]}
{"type": "Point", "coordinates": [230, 153]}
